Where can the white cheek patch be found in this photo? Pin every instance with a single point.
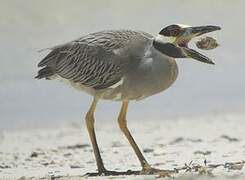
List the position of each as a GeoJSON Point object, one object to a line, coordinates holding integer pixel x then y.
{"type": "Point", "coordinates": [183, 25]}
{"type": "Point", "coordinates": [165, 39]}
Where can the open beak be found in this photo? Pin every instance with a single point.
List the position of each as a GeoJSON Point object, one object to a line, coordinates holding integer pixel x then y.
{"type": "Point", "coordinates": [189, 33]}
{"type": "Point", "coordinates": [199, 30]}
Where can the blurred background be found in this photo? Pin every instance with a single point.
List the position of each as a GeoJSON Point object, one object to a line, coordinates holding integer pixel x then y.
{"type": "Point", "coordinates": [27, 26]}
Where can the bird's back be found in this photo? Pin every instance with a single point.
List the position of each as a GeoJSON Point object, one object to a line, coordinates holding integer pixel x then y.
{"type": "Point", "coordinates": [97, 60]}
{"type": "Point", "coordinates": [115, 65]}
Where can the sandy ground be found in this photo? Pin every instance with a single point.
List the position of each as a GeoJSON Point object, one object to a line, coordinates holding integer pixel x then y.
{"type": "Point", "coordinates": [65, 152]}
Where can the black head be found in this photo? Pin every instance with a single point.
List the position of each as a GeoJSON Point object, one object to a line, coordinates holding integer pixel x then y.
{"type": "Point", "coordinates": [171, 31]}
{"type": "Point", "coordinates": [173, 41]}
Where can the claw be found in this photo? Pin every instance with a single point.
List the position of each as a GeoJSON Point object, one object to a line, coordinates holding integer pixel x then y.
{"type": "Point", "coordinates": [111, 173]}
{"type": "Point", "coordinates": [159, 172]}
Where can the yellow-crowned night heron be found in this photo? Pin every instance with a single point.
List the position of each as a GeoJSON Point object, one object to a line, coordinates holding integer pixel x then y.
{"type": "Point", "coordinates": [122, 65]}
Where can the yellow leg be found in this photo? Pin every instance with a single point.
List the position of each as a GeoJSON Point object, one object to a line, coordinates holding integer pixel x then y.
{"type": "Point", "coordinates": [146, 169]}
{"type": "Point", "coordinates": [90, 127]}
{"type": "Point", "coordinates": [123, 126]}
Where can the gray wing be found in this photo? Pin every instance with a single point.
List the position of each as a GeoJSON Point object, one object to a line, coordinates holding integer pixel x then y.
{"type": "Point", "coordinates": [92, 60]}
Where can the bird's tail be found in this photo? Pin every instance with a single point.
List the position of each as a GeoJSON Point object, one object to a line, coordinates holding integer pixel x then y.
{"type": "Point", "coordinates": [45, 72]}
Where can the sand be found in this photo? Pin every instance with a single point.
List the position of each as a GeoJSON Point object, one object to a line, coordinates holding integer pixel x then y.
{"type": "Point", "coordinates": [65, 152]}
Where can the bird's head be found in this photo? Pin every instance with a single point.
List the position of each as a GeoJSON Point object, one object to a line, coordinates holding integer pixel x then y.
{"type": "Point", "coordinates": [173, 41]}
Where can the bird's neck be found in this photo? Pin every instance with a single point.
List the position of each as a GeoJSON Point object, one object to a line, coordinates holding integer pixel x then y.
{"type": "Point", "coordinates": [167, 48]}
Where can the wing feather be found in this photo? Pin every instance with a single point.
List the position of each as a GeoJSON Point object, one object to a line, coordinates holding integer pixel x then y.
{"type": "Point", "coordinates": [91, 60]}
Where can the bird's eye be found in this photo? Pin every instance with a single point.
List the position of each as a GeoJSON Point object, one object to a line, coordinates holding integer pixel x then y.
{"type": "Point", "coordinates": [174, 32]}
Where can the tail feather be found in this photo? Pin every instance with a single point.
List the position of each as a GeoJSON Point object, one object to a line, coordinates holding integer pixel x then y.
{"type": "Point", "coordinates": [45, 73]}
{"type": "Point", "coordinates": [53, 56]}
{"type": "Point", "coordinates": [49, 59]}
{"type": "Point", "coordinates": [49, 62]}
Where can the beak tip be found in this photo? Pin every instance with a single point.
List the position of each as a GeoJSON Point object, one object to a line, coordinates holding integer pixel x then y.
{"type": "Point", "coordinates": [200, 30]}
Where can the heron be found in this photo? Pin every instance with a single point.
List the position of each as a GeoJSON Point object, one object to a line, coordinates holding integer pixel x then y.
{"type": "Point", "coordinates": [122, 65]}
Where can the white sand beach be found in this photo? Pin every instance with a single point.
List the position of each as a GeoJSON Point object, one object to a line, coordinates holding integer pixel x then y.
{"type": "Point", "coordinates": [200, 118]}
{"type": "Point", "coordinates": [65, 152]}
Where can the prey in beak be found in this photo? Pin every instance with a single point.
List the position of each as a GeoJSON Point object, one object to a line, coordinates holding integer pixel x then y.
{"type": "Point", "coordinates": [180, 36]}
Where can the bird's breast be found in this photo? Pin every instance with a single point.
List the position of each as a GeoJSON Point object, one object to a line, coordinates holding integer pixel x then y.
{"type": "Point", "coordinates": [152, 75]}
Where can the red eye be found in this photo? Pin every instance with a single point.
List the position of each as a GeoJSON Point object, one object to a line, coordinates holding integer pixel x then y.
{"type": "Point", "coordinates": [174, 32]}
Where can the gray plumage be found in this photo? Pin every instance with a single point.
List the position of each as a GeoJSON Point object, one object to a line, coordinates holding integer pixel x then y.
{"type": "Point", "coordinates": [122, 65]}
{"type": "Point", "coordinates": [115, 65]}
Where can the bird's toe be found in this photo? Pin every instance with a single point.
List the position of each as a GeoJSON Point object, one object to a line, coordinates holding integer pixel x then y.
{"type": "Point", "coordinates": [159, 172]}
{"type": "Point", "coordinates": [112, 173]}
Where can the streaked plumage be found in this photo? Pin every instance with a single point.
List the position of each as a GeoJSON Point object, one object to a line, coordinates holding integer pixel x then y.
{"type": "Point", "coordinates": [96, 63]}
{"type": "Point", "coordinates": [122, 65]}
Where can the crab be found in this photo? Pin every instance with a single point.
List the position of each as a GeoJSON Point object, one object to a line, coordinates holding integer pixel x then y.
{"type": "Point", "coordinates": [207, 43]}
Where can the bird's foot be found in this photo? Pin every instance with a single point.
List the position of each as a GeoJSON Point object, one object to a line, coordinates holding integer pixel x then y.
{"type": "Point", "coordinates": [154, 171]}
{"type": "Point", "coordinates": [112, 173]}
